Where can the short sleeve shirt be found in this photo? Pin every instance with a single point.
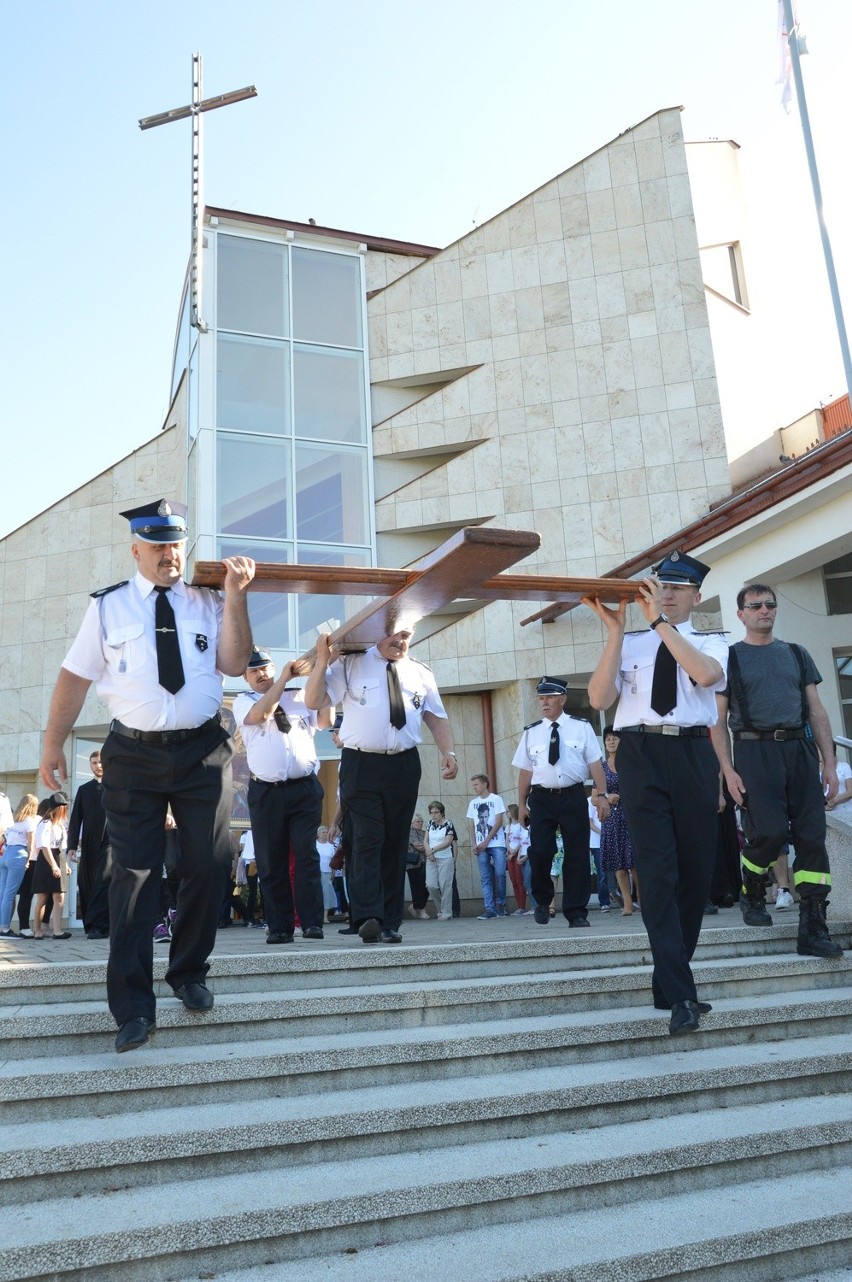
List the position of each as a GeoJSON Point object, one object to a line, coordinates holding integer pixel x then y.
{"type": "Point", "coordinates": [484, 811]}
{"type": "Point", "coordinates": [360, 683]}
{"type": "Point", "coordinates": [696, 705]}
{"type": "Point", "coordinates": [271, 754]}
{"type": "Point", "coordinates": [772, 682]}
{"type": "Point", "coordinates": [578, 749]}
{"type": "Point", "coordinates": [116, 648]}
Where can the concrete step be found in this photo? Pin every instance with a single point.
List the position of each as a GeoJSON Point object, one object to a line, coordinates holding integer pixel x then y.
{"type": "Point", "coordinates": [150, 1146]}
{"type": "Point", "coordinates": [797, 1231]}
{"type": "Point", "coordinates": [290, 1214]}
{"type": "Point", "coordinates": [32, 1029]}
{"type": "Point", "coordinates": [165, 1074]}
{"type": "Point", "coordinates": [314, 965]}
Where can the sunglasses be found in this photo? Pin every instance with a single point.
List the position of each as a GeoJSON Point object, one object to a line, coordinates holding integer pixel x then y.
{"type": "Point", "coordinates": [761, 605]}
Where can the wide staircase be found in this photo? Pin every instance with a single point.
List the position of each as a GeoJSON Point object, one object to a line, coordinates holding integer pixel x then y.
{"type": "Point", "coordinates": [463, 1112]}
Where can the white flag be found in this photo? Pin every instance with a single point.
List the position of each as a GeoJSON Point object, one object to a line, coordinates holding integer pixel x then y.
{"type": "Point", "coordinates": [785, 61]}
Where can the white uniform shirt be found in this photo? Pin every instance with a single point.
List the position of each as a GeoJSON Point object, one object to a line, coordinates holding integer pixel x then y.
{"type": "Point", "coordinates": [271, 754]}
{"type": "Point", "coordinates": [578, 748]}
{"type": "Point", "coordinates": [696, 706]}
{"type": "Point", "coordinates": [360, 683]}
{"type": "Point", "coordinates": [116, 648]}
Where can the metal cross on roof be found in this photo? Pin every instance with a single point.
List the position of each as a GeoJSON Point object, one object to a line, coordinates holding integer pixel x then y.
{"type": "Point", "coordinates": [195, 109]}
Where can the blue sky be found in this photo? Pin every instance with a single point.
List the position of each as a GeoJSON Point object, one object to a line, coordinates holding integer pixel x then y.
{"type": "Point", "coordinates": [409, 120]}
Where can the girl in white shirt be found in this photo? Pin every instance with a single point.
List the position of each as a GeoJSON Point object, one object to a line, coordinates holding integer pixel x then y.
{"type": "Point", "coordinates": [51, 870]}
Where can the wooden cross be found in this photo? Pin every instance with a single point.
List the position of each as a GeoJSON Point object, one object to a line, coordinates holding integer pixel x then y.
{"type": "Point", "coordinates": [467, 567]}
{"type": "Point", "coordinates": [195, 109]}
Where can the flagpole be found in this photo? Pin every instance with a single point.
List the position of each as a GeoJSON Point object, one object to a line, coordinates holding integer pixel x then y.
{"type": "Point", "coordinates": [793, 46]}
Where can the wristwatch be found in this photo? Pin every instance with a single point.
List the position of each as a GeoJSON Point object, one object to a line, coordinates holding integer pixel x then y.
{"type": "Point", "coordinates": [661, 618]}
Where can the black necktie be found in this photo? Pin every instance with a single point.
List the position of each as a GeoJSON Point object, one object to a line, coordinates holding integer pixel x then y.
{"type": "Point", "coordinates": [282, 720]}
{"type": "Point", "coordinates": [397, 707]}
{"type": "Point", "coordinates": [169, 662]}
{"type": "Point", "coordinates": [553, 750]}
{"type": "Point", "coordinates": [664, 685]}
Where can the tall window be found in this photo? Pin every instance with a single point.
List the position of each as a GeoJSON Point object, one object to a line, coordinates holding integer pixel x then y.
{"type": "Point", "coordinates": [837, 576]}
{"type": "Point", "coordinates": [292, 443]}
{"type": "Point", "coordinates": [843, 668]}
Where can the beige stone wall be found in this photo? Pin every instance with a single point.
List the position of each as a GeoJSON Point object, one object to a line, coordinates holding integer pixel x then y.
{"type": "Point", "coordinates": [48, 567]}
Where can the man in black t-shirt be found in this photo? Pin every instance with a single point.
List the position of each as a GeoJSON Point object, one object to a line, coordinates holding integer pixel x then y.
{"type": "Point", "coordinates": [778, 722]}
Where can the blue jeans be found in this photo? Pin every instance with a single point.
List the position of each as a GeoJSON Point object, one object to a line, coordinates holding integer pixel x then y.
{"type": "Point", "coordinates": [13, 865]}
{"type": "Point", "coordinates": [492, 874]}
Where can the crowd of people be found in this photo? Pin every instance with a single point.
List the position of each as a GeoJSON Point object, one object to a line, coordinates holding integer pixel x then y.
{"type": "Point", "coordinates": [151, 829]}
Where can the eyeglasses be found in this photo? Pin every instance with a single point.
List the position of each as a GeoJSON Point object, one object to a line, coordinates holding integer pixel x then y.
{"type": "Point", "coordinates": [761, 605]}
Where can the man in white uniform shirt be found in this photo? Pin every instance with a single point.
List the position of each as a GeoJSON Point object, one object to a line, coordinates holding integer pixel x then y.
{"type": "Point", "coordinates": [554, 758]}
{"type": "Point", "coordinates": [284, 795]}
{"type": "Point", "coordinates": [665, 679]}
{"type": "Point", "coordinates": [385, 695]}
{"type": "Point", "coordinates": [157, 650]}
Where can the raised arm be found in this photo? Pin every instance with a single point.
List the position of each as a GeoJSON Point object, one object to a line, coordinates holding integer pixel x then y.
{"type": "Point", "coordinates": [234, 649]}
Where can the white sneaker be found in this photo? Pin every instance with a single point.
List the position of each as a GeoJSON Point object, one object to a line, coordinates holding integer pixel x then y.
{"type": "Point", "coordinates": [444, 917]}
{"type": "Point", "coordinates": [423, 915]}
{"type": "Point", "coordinates": [784, 900]}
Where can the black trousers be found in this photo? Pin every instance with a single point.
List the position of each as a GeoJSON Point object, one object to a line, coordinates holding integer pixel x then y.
{"type": "Point", "coordinates": [566, 810]}
{"type": "Point", "coordinates": [94, 869]}
{"type": "Point", "coordinates": [378, 793]}
{"type": "Point", "coordinates": [140, 781]}
{"type": "Point", "coordinates": [283, 816]}
{"type": "Point", "coordinates": [784, 802]}
{"type": "Point", "coordinates": [669, 791]}
{"type": "Point", "coordinates": [417, 886]}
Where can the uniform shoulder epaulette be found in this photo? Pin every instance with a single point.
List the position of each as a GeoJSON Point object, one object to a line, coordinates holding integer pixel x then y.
{"type": "Point", "coordinates": [637, 632]}
{"type": "Point", "coordinates": [420, 663]}
{"type": "Point", "coordinates": [112, 588]}
{"type": "Point", "coordinates": [711, 632]}
{"type": "Point", "coordinates": [534, 723]}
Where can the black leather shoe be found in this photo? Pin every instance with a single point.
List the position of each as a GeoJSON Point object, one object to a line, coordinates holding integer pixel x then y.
{"type": "Point", "coordinates": [195, 996]}
{"type": "Point", "coordinates": [542, 915]}
{"type": "Point", "coordinates": [370, 931]}
{"type": "Point", "coordinates": [285, 937]}
{"type": "Point", "coordinates": [684, 1019]}
{"type": "Point", "coordinates": [578, 921]}
{"type": "Point", "coordinates": [97, 934]}
{"type": "Point", "coordinates": [348, 930]}
{"type": "Point", "coordinates": [391, 937]}
{"type": "Point", "coordinates": [704, 1008]}
{"type": "Point", "coordinates": [313, 932]}
{"type": "Point", "coordinates": [134, 1033]}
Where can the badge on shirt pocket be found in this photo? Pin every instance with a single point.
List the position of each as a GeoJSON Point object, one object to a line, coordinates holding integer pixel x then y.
{"type": "Point", "coordinates": [416, 700]}
{"type": "Point", "coordinates": [201, 641]}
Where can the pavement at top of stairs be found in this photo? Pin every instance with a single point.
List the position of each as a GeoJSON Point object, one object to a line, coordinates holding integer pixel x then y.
{"type": "Point", "coordinates": [235, 941]}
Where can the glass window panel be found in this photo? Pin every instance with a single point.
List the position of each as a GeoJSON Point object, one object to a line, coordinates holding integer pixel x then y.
{"type": "Point", "coordinates": [327, 298]}
{"type": "Point", "coordinates": [253, 487]}
{"type": "Point", "coordinates": [332, 609]}
{"type": "Point", "coordinates": [843, 663]}
{"type": "Point", "coordinates": [839, 594]}
{"type": "Point", "coordinates": [323, 477]}
{"type": "Point", "coordinates": [251, 286]}
{"type": "Point", "coordinates": [270, 613]}
{"type": "Point", "coordinates": [252, 385]}
{"type": "Point", "coordinates": [843, 565]}
{"type": "Point", "coordinates": [329, 395]}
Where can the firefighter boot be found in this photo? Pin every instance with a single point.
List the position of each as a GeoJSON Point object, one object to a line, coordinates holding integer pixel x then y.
{"type": "Point", "coordinates": [814, 939]}
{"type": "Point", "coordinates": [753, 899]}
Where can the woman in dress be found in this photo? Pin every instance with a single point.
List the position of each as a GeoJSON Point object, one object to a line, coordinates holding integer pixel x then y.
{"type": "Point", "coordinates": [616, 848]}
{"type": "Point", "coordinates": [51, 870]}
{"type": "Point", "coordinates": [20, 836]}
{"type": "Point", "coordinates": [515, 834]}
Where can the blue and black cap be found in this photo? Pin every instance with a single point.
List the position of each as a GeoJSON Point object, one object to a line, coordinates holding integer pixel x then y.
{"type": "Point", "coordinates": [677, 567]}
{"type": "Point", "coordinates": [551, 685]}
{"type": "Point", "coordinates": [159, 522]}
{"type": "Point", "coordinates": [259, 659]}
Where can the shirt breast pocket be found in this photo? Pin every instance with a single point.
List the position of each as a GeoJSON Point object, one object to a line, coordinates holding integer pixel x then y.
{"type": "Point", "coordinates": [637, 677]}
{"type": "Point", "coordinates": [126, 647]}
{"type": "Point", "coordinates": [367, 693]}
{"type": "Point", "coordinates": [197, 646]}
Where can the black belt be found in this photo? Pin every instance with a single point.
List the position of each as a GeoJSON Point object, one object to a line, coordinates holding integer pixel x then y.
{"type": "Point", "coordinates": [164, 736]}
{"type": "Point", "coordinates": [540, 787]}
{"type": "Point", "coordinates": [380, 752]}
{"type": "Point", "coordinates": [691, 732]}
{"type": "Point", "coordinates": [780, 736]}
{"type": "Point", "coordinates": [279, 783]}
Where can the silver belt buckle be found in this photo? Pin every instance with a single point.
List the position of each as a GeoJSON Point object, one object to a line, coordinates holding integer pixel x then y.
{"type": "Point", "coordinates": [670, 729]}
